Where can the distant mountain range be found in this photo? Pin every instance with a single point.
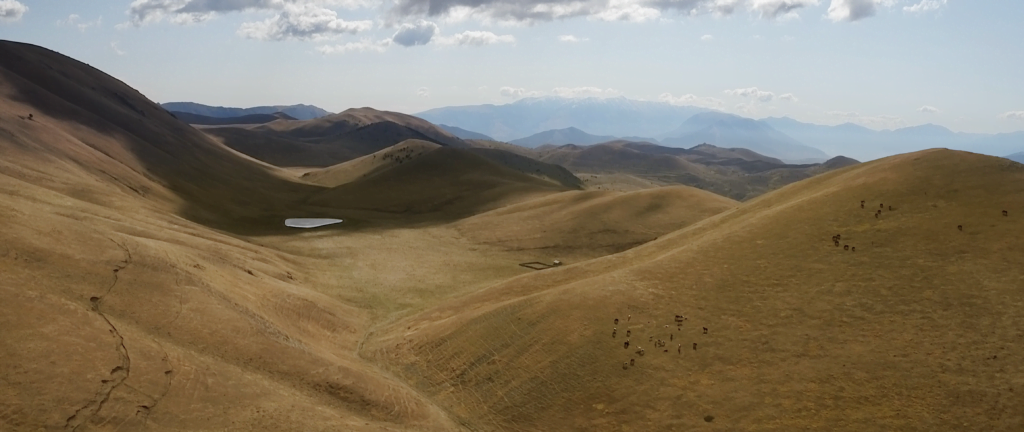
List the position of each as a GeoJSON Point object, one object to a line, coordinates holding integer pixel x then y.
{"type": "Point", "coordinates": [196, 119]}
{"type": "Point", "coordinates": [531, 119]}
{"type": "Point", "coordinates": [301, 112]}
{"type": "Point", "coordinates": [865, 144]}
{"type": "Point", "coordinates": [619, 117]}
{"type": "Point", "coordinates": [727, 130]}
{"type": "Point", "coordinates": [1016, 157]}
{"type": "Point", "coordinates": [570, 135]}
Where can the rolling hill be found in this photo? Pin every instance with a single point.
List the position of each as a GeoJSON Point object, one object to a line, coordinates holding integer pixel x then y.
{"type": "Point", "coordinates": [330, 140]}
{"type": "Point", "coordinates": [1016, 157]}
{"type": "Point", "coordinates": [736, 173]}
{"type": "Point", "coordinates": [149, 283]}
{"type": "Point", "coordinates": [801, 334]}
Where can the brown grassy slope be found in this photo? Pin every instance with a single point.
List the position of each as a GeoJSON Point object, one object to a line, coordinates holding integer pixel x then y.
{"type": "Point", "coordinates": [919, 329]}
{"type": "Point", "coordinates": [530, 166]}
{"type": "Point", "coordinates": [593, 223]}
{"type": "Point", "coordinates": [369, 165]}
{"type": "Point", "coordinates": [444, 184]}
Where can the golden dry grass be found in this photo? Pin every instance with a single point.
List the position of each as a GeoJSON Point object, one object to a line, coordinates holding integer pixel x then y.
{"type": "Point", "coordinates": [148, 284]}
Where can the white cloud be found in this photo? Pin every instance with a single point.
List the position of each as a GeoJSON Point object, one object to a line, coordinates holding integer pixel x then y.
{"type": "Point", "coordinates": [113, 46]}
{"type": "Point", "coordinates": [925, 6]}
{"type": "Point", "coordinates": [75, 20]}
{"type": "Point", "coordinates": [771, 9]}
{"type": "Point", "coordinates": [689, 99]}
{"type": "Point", "coordinates": [855, 10]}
{"type": "Point", "coordinates": [571, 39]}
{"type": "Point", "coordinates": [627, 10]}
{"type": "Point", "coordinates": [1012, 115]}
{"type": "Point", "coordinates": [364, 45]}
{"type": "Point", "coordinates": [419, 33]}
{"type": "Point", "coordinates": [422, 92]}
{"type": "Point", "coordinates": [572, 92]}
{"type": "Point", "coordinates": [788, 97]}
{"type": "Point", "coordinates": [753, 92]}
{"type": "Point", "coordinates": [475, 38]}
{"type": "Point", "coordinates": [12, 10]}
{"type": "Point", "coordinates": [928, 109]}
{"type": "Point", "coordinates": [707, 38]}
{"type": "Point", "coordinates": [532, 11]}
{"type": "Point", "coordinates": [302, 22]}
{"type": "Point", "coordinates": [195, 11]}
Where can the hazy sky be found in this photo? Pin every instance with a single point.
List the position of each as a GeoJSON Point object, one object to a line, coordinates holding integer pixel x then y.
{"type": "Point", "coordinates": [880, 63]}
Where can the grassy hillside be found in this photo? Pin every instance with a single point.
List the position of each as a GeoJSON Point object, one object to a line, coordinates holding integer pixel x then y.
{"type": "Point", "coordinates": [917, 329]}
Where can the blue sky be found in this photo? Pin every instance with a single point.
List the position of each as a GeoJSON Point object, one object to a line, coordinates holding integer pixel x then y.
{"type": "Point", "coordinates": [880, 63]}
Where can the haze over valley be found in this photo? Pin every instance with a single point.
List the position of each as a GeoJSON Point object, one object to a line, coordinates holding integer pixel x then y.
{"type": "Point", "coordinates": [415, 216]}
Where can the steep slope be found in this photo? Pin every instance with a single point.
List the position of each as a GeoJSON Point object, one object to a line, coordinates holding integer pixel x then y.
{"type": "Point", "coordinates": [300, 111]}
{"type": "Point", "coordinates": [728, 130]}
{"type": "Point", "coordinates": [593, 223]}
{"type": "Point", "coordinates": [124, 310]}
{"type": "Point", "coordinates": [800, 333]}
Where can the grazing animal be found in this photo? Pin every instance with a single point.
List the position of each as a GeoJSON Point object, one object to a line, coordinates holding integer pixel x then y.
{"type": "Point", "coordinates": [625, 365]}
{"type": "Point", "coordinates": [861, 203]}
{"type": "Point", "coordinates": [705, 330]}
{"type": "Point", "coordinates": [628, 317]}
{"type": "Point", "coordinates": [680, 349]}
{"type": "Point", "coordinates": [695, 346]}
{"type": "Point", "coordinates": [1005, 213]}
{"type": "Point", "coordinates": [960, 227]}
{"type": "Point", "coordinates": [837, 244]}
{"type": "Point", "coordinates": [631, 361]}
{"type": "Point", "coordinates": [628, 332]}
{"type": "Point", "coordinates": [616, 321]}
{"type": "Point", "coordinates": [671, 336]}
{"type": "Point", "coordinates": [881, 206]}
{"type": "Point", "coordinates": [853, 249]}
{"type": "Point", "coordinates": [625, 345]}
{"type": "Point", "coordinates": [846, 247]}
{"type": "Point", "coordinates": [839, 236]}
{"type": "Point", "coordinates": [30, 116]}
{"type": "Point", "coordinates": [876, 215]}
{"type": "Point", "coordinates": [890, 208]}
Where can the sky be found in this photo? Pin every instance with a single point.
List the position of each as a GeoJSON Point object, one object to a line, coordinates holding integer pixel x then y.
{"type": "Point", "coordinates": [878, 63]}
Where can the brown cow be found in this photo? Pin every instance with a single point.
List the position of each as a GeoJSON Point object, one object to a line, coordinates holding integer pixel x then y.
{"type": "Point", "coordinates": [1005, 213]}
{"type": "Point", "coordinates": [695, 346]}
{"type": "Point", "coordinates": [705, 330]}
{"type": "Point", "coordinates": [625, 365]}
{"type": "Point", "coordinates": [846, 247]}
{"type": "Point", "coordinates": [960, 227]}
{"type": "Point", "coordinates": [628, 332]}
{"type": "Point", "coordinates": [853, 249]}
{"type": "Point", "coordinates": [625, 345]}
{"type": "Point", "coordinates": [881, 206]}
{"type": "Point", "coordinates": [631, 361]}
{"type": "Point", "coordinates": [616, 321]}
